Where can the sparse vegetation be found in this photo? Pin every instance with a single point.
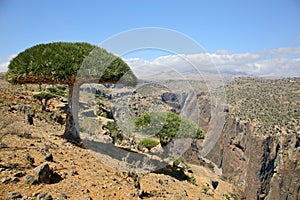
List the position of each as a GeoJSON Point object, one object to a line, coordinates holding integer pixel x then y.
{"type": "Point", "coordinates": [270, 105]}
{"type": "Point", "coordinates": [205, 189]}
{"type": "Point", "coordinates": [148, 143]}
{"type": "Point", "coordinates": [114, 131]}
{"type": "Point", "coordinates": [167, 125]}
{"type": "Point", "coordinates": [10, 126]}
{"type": "Point", "coordinates": [223, 178]}
{"type": "Point", "coordinates": [58, 90]}
{"type": "Point", "coordinates": [211, 166]}
{"type": "Point", "coordinates": [44, 96]}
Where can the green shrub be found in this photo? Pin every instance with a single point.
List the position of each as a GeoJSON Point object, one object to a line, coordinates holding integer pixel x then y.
{"type": "Point", "coordinates": [112, 127]}
{"type": "Point", "coordinates": [148, 143]}
{"type": "Point", "coordinates": [205, 189]}
{"type": "Point", "coordinates": [115, 132]}
{"type": "Point", "coordinates": [211, 166]}
{"type": "Point", "coordinates": [192, 180]}
{"type": "Point", "coordinates": [56, 91]}
{"type": "Point", "coordinates": [223, 178]}
{"type": "Point", "coordinates": [167, 125]}
{"type": "Point", "coordinates": [44, 96]}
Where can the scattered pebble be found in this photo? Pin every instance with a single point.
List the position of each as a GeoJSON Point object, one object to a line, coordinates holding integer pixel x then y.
{"type": "Point", "coordinates": [49, 157]}
{"type": "Point", "coordinates": [74, 172]}
{"type": "Point", "coordinates": [29, 180]}
{"type": "Point", "coordinates": [14, 195]}
{"type": "Point", "coordinates": [44, 197]}
{"type": "Point", "coordinates": [62, 196]}
{"type": "Point", "coordinates": [5, 180]}
{"type": "Point", "coordinates": [19, 174]}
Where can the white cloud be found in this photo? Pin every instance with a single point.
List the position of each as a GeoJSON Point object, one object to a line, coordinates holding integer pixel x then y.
{"type": "Point", "coordinates": [284, 51]}
{"type": "Point", "coordinates": [4, 62]}
{"type": "Point", "coordinates": [276, 62]}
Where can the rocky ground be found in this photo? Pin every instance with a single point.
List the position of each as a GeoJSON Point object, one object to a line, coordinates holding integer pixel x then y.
{"type": "Point", "coordinates": [255, 157]}
{"type": "Point", "coordinates": [37, 163]}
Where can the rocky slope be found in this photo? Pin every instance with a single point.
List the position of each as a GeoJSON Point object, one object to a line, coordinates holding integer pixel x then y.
{"type": "Point", "coordinates": [257, 152]}
{"type": "Point", "coordinates": [36, 163]}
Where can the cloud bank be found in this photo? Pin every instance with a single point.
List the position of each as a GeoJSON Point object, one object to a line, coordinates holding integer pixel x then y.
{"type": "Point", "coordinates": [281, 62]}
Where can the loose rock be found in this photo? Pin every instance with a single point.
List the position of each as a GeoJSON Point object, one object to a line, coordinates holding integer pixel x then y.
{"type": "Point", "coordinates": [43, 173]}
{"type": "Point", "coordinates": [6, 180]}
{"type": "Point", "coordinates": [29, 158]}
{"type": "Point", "coordinates": [62, 196]}
{"type": "Point", "coordinates": [19, 174]}
{"type": "Point", "coordinates": [14, 195]}
{"type": "Point", "coordinates": [49, 157]}
{"type": "Point", "coordinates": [215, 184]}
{"type": "Point", "coordinates": [87, 197]}
{"type": "Point", "coordinates": [44, 197]}
{"type": "Point", "coordinates": [29, 180]}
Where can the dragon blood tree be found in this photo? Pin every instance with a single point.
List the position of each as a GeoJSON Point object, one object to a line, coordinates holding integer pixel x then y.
{"type": "Point", "coordinates": [72, 64]}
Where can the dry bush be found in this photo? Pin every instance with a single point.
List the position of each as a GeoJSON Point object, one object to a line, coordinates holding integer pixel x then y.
{"type": "Point", "coordinates": [9, 125]}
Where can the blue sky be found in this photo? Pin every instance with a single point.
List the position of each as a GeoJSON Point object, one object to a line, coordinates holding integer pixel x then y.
{"type": "Point", "coordinates": [254, 26]}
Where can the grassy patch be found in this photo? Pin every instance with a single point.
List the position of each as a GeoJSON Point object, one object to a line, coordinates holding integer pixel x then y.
{"type": "Point", "coordinates": [148, 143]}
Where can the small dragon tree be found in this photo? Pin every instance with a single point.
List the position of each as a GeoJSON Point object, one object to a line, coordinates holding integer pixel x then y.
{"type": "Point", "coordinates": [44, 96]}
{"type": "Point", "coordinates": [72, 64]}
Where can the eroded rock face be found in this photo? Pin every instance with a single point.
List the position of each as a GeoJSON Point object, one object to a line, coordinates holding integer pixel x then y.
{"type": "Point", "coordinates": [249, 161]}
{"type": "Point", "coordinates": [285, 184]}
{"type": "Point", "coordinates": [176, 101]}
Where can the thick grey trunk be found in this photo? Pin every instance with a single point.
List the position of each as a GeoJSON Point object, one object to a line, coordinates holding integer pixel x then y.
{"type": "Point", "coordinates": [72, 127]}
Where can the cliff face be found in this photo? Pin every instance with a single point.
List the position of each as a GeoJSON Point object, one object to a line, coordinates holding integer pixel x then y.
{"type": "Point", "coordinates": [245, 159]}
{"type": "Point", "coordinates": [251, 162]}
{"type": "Point", "coordinates": [286, 183]}
{"type": "Point", "coordinates": [265, 164]}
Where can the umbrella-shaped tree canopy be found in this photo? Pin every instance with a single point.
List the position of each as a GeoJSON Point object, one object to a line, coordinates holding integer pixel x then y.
{"type": "Point", "coordinates": [59, 63]}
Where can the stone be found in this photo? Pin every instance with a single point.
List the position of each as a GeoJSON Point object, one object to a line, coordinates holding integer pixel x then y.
{"type": "Point", "coordinates": [215, 184]}
{"type": "Point", "coordinates": [15, 180]}
{"type": "Point", "coordinates": [29, 119]}
{"type": "Point", "coordinates": [62, 196]}
{"type": "Point", "coordinates": [19, 174]}
{"type": "Point", "coordinates": [29, 158]}
{"type": "Point", "coordinates": [44, 197]}
{"type": "Point", "coordinates": [88, 113]}
{"type": "Point", "coordinates": [35, 194]}
{"type": "Point", "coordinates": [43, 173]}
{"type": "Point", "coordinates": [183, 192]}
{"type": "Point", "coordinates": [87, 197]}
{"type": "Point", "coordinates": [5, 180]}
{"type": "Point", "coordinates": [29, 180]}
{"type": "Point", "coordinates": [49, 157]}
{"type": "Point", "coordinates": [86, 190]}
{"type": "Point", "coordinates": [14, 195]}
{"type": "Point", "coordinates": [74, 172]}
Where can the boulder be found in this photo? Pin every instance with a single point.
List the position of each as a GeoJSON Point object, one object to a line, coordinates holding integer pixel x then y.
{"type": "Point", "coordinates": [43, 173]}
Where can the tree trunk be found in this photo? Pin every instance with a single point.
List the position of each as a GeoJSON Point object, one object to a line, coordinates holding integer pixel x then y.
{"type": "Point", "coordinates": [44, 107]}
{"type": "Point", "coordinates": [28, 118]}
{"type": "Point", "coordinates": [72, 127]}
